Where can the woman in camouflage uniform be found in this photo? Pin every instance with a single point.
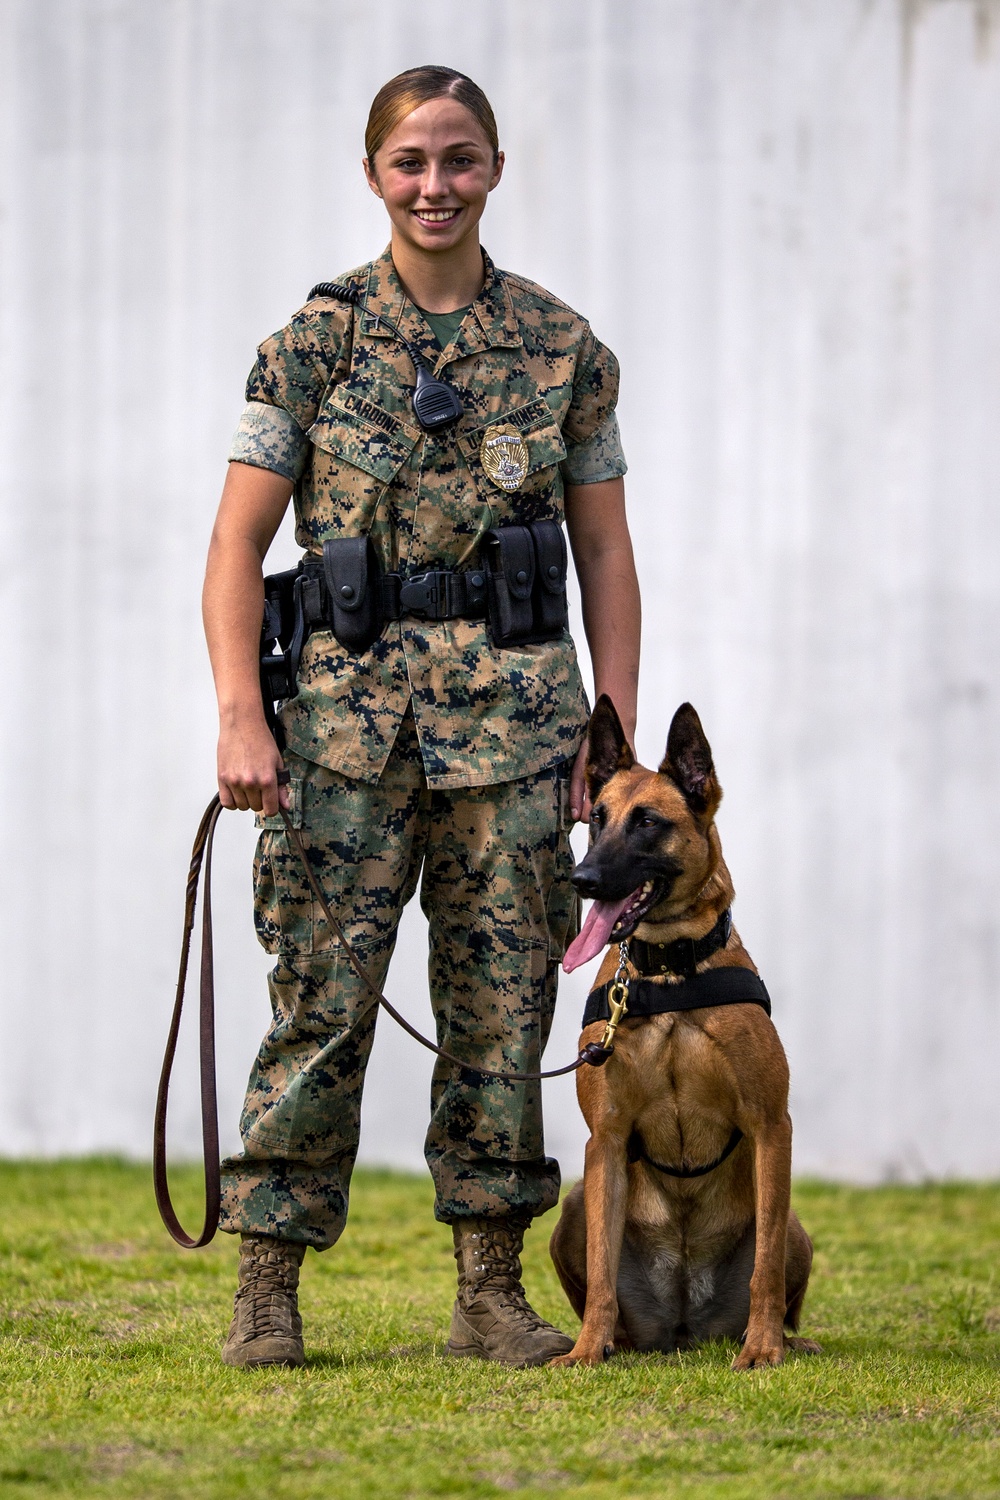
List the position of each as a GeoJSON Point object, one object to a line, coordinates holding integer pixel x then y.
{"type": "Point", "coordinates": [432, 753]}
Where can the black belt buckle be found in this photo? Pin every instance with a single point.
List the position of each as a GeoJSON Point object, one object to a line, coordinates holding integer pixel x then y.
{"type": "Point", "coordinates": [426, 596]}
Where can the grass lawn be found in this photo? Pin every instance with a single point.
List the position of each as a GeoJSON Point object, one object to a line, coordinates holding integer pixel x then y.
{"type": "Point", "coordinates": [111, 1385]}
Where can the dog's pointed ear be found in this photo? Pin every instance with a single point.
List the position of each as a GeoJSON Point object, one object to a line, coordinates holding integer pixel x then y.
{"type": "Point", "coordinates": [688, 763]}
{"type": "Point", "coordinates": [607, 748]}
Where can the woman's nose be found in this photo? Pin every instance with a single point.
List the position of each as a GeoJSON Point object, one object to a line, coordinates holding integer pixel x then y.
{"type": "Point", "coordinates": [434, 185]}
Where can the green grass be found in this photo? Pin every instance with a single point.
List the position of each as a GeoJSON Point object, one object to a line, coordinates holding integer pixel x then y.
{"type": "Point", "coordinates": [110, 1383]}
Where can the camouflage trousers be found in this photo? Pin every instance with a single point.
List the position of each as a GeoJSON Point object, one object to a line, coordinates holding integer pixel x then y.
{"type": "Point", "coordinates": [493, 864]}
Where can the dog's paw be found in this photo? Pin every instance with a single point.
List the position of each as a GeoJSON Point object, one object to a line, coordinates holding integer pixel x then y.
{"type": "Point", "coordinates": [802, 1346]}
{"type": "Point", "coordinates": [582, 1354]}
{"type": "Point", "coordinates": [759, 1355]}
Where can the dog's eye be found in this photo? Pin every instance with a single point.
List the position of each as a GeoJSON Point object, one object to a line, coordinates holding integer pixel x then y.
{"type": "Point", "coordinates": [597, 817]}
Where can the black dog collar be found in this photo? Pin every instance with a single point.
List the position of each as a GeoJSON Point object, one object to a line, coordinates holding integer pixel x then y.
{"type": "Point", "coordinates": [683, 955]}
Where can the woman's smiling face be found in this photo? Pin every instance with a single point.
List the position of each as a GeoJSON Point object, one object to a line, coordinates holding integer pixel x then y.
{"type": "Point", "coordinates": [434, 172]}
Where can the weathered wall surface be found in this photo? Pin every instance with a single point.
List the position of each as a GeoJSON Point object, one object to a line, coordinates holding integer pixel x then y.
{"type": "Point", "coordinates": [784, 215]}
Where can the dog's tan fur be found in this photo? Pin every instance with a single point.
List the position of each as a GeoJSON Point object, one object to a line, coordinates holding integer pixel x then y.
{"type": "Point", "coordinates": [647, 1260]}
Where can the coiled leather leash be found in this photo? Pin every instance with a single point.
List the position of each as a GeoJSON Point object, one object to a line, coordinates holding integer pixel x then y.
{"type": "Point", "coordinates": [595, 1053]}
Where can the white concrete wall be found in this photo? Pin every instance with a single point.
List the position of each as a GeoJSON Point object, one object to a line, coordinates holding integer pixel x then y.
{"type": "Point", "coordinates": [784, 215]}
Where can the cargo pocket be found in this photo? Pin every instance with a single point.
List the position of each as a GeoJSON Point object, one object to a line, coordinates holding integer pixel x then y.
{"type": "Point", "coordinates": [562, 911]}
{"type": "Point", "coordinates": [283, 900]}
{"type": "Point", "coordinates": [266, 905]}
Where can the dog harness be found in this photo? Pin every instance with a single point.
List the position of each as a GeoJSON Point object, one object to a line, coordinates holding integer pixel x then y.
{"type": "Point", "coordinates": [691, 991]}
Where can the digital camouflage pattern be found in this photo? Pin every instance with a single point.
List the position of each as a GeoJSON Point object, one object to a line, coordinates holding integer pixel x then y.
{"type": "Point", "coordinates": [495, 888]}
{"type": "Point", "coordinates": [521, 357]}
{"type": "Point", "coordinates": [268, 437]}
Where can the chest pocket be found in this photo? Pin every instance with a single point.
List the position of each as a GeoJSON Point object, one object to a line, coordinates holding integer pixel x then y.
{"type": "Point", "coordinates": [537, 427]}
{"type": "Point", "coordinates": [361, 449]}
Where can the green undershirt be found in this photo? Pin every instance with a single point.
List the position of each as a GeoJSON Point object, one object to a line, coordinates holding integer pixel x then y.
{"type": "Point", "coordinates": [444, 326]}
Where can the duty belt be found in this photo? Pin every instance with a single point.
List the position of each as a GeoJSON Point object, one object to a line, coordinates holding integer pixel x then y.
{"type": "Point", "coordinates": [440, 594]}
{"type": "Point", "coordinates": [517, 586]}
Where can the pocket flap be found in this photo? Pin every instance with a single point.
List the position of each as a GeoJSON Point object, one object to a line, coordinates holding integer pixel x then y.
{"type": "Point", "coordinates": [534, 423]}
{"type": "Point", "coordinates": [356, 430]}
{"type": "Point", "coordinates": [510, 547]}
{"type": "Point", "coordinates": [550, 549]}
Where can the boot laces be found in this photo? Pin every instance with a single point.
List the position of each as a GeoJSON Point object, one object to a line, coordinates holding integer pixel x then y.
{"type": "Point", "coordinates": [269, 1278]}
{"type": "Point", "coordinates": [498, 1270]}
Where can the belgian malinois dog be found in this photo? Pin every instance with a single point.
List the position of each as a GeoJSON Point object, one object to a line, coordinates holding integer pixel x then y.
{"type": "Point", "coordinates": [681, 1230]}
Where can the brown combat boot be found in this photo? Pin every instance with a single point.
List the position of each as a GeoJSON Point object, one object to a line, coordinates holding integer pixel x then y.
{"type": "Point", "coordinates": [266, 1327]}
{"type": "Point", "coordinates": [492, 1318]}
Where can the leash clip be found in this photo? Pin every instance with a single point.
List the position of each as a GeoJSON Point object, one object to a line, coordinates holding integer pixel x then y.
{"type": "Point", "coordinates": [617, 1000]}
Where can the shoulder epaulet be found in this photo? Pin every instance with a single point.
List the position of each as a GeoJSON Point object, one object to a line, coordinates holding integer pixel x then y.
{"type": "Point", "coordinates": [539, 293]}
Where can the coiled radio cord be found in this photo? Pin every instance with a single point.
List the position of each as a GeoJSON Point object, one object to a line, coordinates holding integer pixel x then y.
{"type": "Point", "coordinates": [435, 403]}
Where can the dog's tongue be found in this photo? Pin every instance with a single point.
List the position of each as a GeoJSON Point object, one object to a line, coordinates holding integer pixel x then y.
{"type": "Point", "coordinates": [595, 933]}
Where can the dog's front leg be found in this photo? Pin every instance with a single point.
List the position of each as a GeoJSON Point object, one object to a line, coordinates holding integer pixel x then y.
{"type": "Point", "coordinates": [765, 1339]}
{"type": "Point", "coordinates": [605, 1187]}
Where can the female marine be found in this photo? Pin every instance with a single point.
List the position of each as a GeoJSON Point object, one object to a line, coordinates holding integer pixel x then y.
{"type": "Point", "coordinates": [436, 746]}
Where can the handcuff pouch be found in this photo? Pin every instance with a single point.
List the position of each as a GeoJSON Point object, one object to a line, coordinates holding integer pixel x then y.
{"type": "Point", "coordinates": [353, 581]}
{"type": "Point", "coordinates": [525, 569]}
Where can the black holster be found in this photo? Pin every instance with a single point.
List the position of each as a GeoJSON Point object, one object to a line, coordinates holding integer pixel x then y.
{"type": "Point", "coordinates": [525, 570]}
{"type": "Point", "coordinates": [282, 636]}
{"type": "Point", "coordinates": [353, 579]}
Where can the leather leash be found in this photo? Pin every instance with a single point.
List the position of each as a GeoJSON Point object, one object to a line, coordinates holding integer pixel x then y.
{"type": "Point", "coordinates": [206, 1048]}
{"type": "Point", "coordinates": [594, 1053]}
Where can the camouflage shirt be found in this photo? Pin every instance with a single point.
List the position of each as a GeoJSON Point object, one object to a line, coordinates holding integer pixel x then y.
{"type": "Point", "coordinates": [482, 714]}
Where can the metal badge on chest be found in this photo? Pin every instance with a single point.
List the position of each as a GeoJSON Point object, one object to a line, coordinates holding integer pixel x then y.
{"type": "Point", "coordinates": [504, 455]}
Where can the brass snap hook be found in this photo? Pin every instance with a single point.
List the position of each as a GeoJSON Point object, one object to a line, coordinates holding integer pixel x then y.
{"type": "Point", "coordinates": [617, 999]}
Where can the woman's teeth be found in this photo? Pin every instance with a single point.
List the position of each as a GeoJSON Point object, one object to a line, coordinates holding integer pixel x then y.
{"type": "Point", "coordinates": [436, 216]}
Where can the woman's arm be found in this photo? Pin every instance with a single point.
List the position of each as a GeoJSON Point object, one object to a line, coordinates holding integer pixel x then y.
{"type": "Point", "coordinates": [253, 503]}
{"type": "Point", "coordinates": [602, 553]}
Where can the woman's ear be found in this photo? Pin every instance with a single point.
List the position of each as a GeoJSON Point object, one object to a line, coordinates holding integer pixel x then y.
{"type": "Point", "coordinates": [372, 179]}
{"type": "Point", "coordinates": [497, 170]}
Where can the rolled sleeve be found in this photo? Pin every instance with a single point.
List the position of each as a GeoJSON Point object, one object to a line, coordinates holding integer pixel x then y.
{"type": "Point", "coordinates": [268, 437]}
{"type": "Point", "coordinates": [598, 458]}
{"type": "Point", "coordinates": [595, 391]}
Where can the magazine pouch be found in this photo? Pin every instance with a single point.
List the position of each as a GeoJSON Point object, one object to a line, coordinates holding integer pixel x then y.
{"type": "Point", "coordinates": [551, 606]}
{"type": "Point", "coordinates": [354, 586]}
{"type": "Point", "coordinates": [508, 556]}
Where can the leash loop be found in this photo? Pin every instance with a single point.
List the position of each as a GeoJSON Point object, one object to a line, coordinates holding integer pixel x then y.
{"type": "Point", "coordinates": [201, 854]}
